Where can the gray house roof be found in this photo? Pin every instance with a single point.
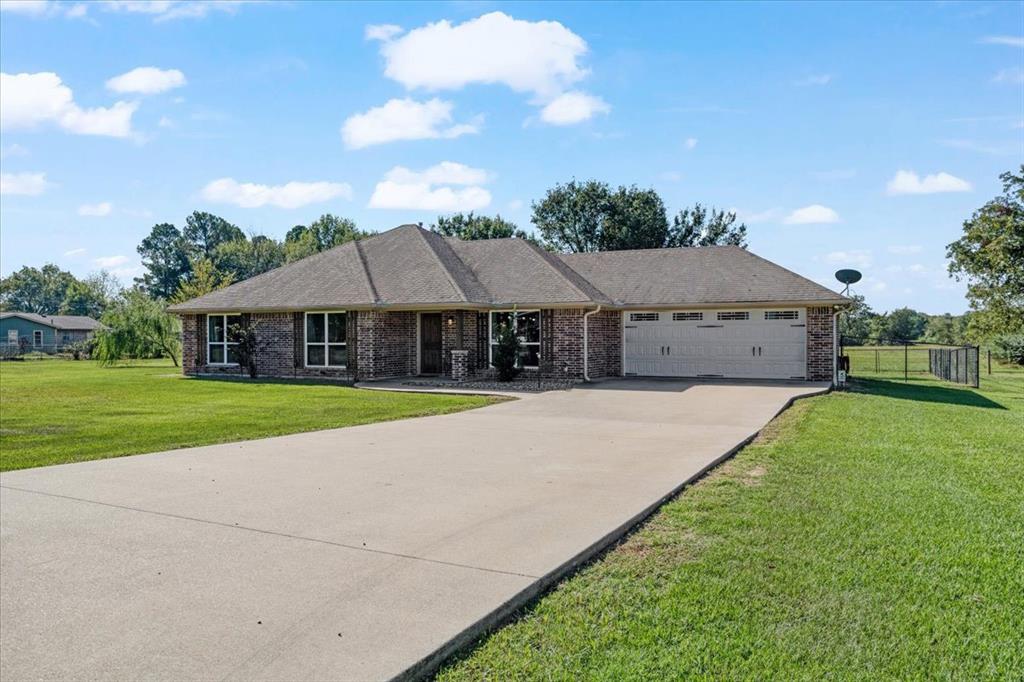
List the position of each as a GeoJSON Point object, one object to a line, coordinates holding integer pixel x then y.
{"type": "Point", "coordinates": [414, 268]}
{"type": "Point", "coordinates": [62, 322]}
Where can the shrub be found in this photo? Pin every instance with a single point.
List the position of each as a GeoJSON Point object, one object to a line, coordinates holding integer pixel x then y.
{"type": "Point", "coordinates": [1010, 347]}
{"type": "Point", "coordinates": [506, 353]}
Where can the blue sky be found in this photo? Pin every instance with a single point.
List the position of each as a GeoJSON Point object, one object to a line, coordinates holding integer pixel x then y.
{"type": "Point", "coordinates": [857, 135]}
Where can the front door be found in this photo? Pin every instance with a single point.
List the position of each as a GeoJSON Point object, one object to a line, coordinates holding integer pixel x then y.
{"type": "Point", "coordinates": [430, 343]}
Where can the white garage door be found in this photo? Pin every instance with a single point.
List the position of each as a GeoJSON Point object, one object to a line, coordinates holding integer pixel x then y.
{"type": "Point", "coordinates": [734, 343]}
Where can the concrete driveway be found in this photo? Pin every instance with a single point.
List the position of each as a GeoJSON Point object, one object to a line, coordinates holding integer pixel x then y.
{"type": "Point", "coordinates": [357, 553]}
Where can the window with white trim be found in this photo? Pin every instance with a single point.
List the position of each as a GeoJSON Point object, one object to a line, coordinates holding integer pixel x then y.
{"type": "Point", "coordinates": [643, 317]}
{"type": "Point", "coordinates": [527, 327]}
{"type": "Point", "coordinates": [326, 343]}
{"type": "Point", "coordinates": [37, 338]}
{"type": "Point", "coordinates": [687, 317]}
{"type": "Point", "coordinates": [782, 314]}
{"type": "Point", "coordinates": [734, 315]}
{"type": "Point", "coordinates": [220, 349]}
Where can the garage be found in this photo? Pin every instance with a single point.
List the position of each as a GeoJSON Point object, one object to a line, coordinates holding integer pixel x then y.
{"type": "Point", "coordinates": [729, 343]}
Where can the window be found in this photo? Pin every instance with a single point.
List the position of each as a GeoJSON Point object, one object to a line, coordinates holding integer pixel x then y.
{"type": "Point", "coordinates": [37, 338]}
{"type": "Point", "coordinates": [687, 317]}
{"type": "Point", "coordinates": [643, 317]}
{"type": "Point", "coordinates": [326, 340]}
{"type": "Point", "coordinates": [734, 315]}
{"type": "Point", "coordinates": [220, 349]}
{"type": "Point", "coordinates": [12, 337]}
{"type": "Point", "coordinates": [527, 328]}
{"type": "Point", "coordinates": [782, 314]}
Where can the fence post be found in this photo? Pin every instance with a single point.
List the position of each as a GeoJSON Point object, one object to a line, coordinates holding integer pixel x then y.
{"type": "Point", "coordinates": [990, 361]}
{"type": "Point", "coordinates": [906, 353]}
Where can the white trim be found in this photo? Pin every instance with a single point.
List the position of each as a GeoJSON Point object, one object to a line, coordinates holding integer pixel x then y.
{"type": "Point", "coordinates": [225, 343]}
{"type": "Point", "coordinates": [490, 335]}
{"type": "Point", "coordinates": [326, 344]}
{"type": "Point", "coordinates": [37, 344]}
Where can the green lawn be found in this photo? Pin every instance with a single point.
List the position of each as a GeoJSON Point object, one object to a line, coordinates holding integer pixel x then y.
{"type": "Point", "coordinates": [872, 534]}
{"type": "Point", "coordinates": [56, 411]}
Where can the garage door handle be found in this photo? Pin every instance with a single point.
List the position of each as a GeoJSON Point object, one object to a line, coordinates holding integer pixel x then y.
{"type": "Point", "coordinates": [759, 351]}
{"type": "Point", "coordinates": [753, 351]}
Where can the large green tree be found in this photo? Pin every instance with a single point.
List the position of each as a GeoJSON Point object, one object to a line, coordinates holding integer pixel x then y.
{"type": "Point", "coordinates": [137, 326]}
{"type": "Point", "coordinates": [590, 216]}
{"type": "Point", "coordinates": [204, 278]}
{"type": "Point", "coordinates": [990, 257]}
{"type": "Point", "coordinates": [245, 258]}
{"type": "Point", "coordinates": [901, 324]}
{"type": "Point", "coordinates": [324, 233]}
{"type": "Point", "coordinates": [204, 232]}
{"type": "Point", "coordinates": [36, 290]}
{"type": "Point", "coordinates": [855, 321]}
{"type": "Point", "coordinates": [698, 227]}
{"type": "Point", "coordinates": [470, 226]}
{"type": "Point", "coordinates": [90, 296]}
{"type": "Point", "coordinates": [165, 255]}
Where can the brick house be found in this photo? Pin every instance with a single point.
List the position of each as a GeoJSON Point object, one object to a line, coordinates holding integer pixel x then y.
{"type": "Point", "coordinates": [410, 302]}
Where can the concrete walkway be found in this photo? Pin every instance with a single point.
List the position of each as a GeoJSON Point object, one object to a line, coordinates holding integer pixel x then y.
{"type": "Point", "coordinates": [357, 553]}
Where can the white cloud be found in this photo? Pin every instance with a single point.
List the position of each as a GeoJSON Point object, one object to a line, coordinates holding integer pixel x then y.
{"type": "Point", "coordinates": [671, 176]}
{"type": "Point", "coordinates": [860, 258]}
{"type": "Point", "coordinates": [96, 210]}
{"type": "Point", "coordinates": [539, 57]}
{"type": "Point", "coordinates": [1011, 76]}
{"type": "Point", "coordinates": [908, 182]}
{"type": "Point", "coordinates": [1011, 41]}
{"type": "Point", "coordinates": [818, 79]}
{"type": "Point", "coordinates": [905, 250]}
{"type": "Point", "coordinates": [403, 119]}
{"type": "Point", "coordinates": [165, 122]}
{"type": "Point", "coordinates": [26, 7]}
{"type": "Point", "coordinates": [1005, 149]}
{"type": "Point", "coordinates": [33, 98]}
{"type": "Point", "coordinates": [381, 31]}
{"type": "Point", "coordinates": [147, 80]}
{"type": "Point", "coordinates": [13, 150]}
{"type": "Point", "coordinates": [752, 217]}
{"type": "Point", "coordinates": [690, 142]}
{"type": "Point", "coordinates": [25, 184]}
{"type": "Point", "coordinates": [166, 10]}
{"type": "Point", "coordinates": [289, 195]}
{"type": "Point", "coordinates": [573, 107]}
{"type": "Point", "coordinates": [74, 253]}
{"type": "Point", "coordinates": [110, 261]}
{"type": "Point", "coordinates": [430, 189]}
{"type": "Point", "coordinates": [515, 204]}
{"type": "Point", "coordinates": [77, 11]}
{"type": "Point", "coordinates": [812, 215]}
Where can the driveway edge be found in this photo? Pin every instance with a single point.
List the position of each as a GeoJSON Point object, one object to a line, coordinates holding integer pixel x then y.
{"type": "Point", "coordinates": [462, 642]}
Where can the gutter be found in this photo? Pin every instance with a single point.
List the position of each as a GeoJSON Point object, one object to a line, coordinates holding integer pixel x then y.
{"type": "Point", "coordinates": [586, 352]}
{"type": "Point", "coordinates": [835, 346]}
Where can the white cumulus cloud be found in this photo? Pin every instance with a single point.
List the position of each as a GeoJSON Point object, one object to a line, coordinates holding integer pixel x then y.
{"type": "Point", "coordinates": [147, 80]}
{"type": "Point", "coordinates": [96, 210]}
{"type": "Point", "coordinates": [540, 57]}
{"type": "Point", "coordinates": [26, 184]}
{"type": "Point", "coordinates": [27, 7]}
{"type": "Point", "coordinates": [690, 142]}
{"type": "Point", "coordinates": [446, 187]}
{"type": "Point", "coordinates": [908, 182]}
{"type": "Point", "coordinates": [166, 10]}
{"type": "Point", "coordinates": [30, 99]}
{"type": "Point", "coordinates": [573, 107]}
{"type": "Point", "coordinates": [289, 195]}
{"type": "Point", "coordinates": [110, 261]}
{"type": "Point", "coordinates": [403, 119]}
{"type": "Point", "coordinates": [814, 214]}
{"type": "Point", "coordinates": [1010, 41]}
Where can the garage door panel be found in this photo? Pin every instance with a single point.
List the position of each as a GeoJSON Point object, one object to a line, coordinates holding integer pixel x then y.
{"type": "Point", "coordinates": [729, 343]}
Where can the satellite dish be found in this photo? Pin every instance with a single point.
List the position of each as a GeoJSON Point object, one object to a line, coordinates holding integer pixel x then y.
{"type": "Point", "coordinates": [847, 277]}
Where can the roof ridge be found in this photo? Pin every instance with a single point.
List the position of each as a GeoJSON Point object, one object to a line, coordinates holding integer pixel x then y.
{"type": "Point", "coordinates": [366, 272]}
{"type": "Point", "coordinates": [430, 247]}
{"type": "Point", "coordinates": [546, 257]}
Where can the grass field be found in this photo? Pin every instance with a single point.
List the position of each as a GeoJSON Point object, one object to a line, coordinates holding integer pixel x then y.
{"type": "Point", "coordinates": [872, 534]}
{"type": "Point", "coordinates": [56, 411]}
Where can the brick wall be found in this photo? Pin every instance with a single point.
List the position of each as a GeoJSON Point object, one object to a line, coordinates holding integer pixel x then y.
{"type": "Point", "coordinates": [605, 344]}
{"type": "Point", "coordinates": [819, 344]}
{"type": "Point", "coordinates": [386, 344]}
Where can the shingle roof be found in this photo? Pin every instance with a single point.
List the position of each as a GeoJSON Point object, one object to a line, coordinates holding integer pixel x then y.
{"type": "Point", "coordinates": [410, 266]}
{"type": "Point", "coordinates": [712, 274]}
{"type": "Point", "coordinates": [66, 322]}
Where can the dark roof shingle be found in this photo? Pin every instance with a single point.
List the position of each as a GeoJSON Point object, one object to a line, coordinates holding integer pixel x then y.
{"type": "Point", "coordinates": [67, 322]}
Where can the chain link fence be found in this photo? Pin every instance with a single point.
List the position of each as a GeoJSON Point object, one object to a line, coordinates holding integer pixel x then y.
{"type": "Point", "coordinates": [899, 359]}
{"type": "Point", "coordinates": [959, 365]}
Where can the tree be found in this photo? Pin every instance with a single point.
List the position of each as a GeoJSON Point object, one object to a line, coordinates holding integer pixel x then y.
{"type": "Point", "coordinates": [90, 296]}
{"type": "Point", "coordinates": [990, 257]}
{"type": "Point", "coordinates": [855, 320]}
{"type": "Point", "coordinates": [245, 258]}
{"type": "Point", "coordinates": [249, 345]}
{"type": "Point", "coordinates": [571, 217]}
{"type": "Point", "coordinates": [324, 233]}
{"type": "Point", "coordinates": [301, 245]}
{"type": "Point", "coordinates": [205, 278]}
{"type": "Point", "coordinates": [506, 351]}
{"type": "Point", "coordinates": [942, 329]}
{"type": "Point", "coordinates": [694, 227]}
{"type": "Point", "coordinates": [36, 290]}
{"type": "Point", "coordinates": [137, 326]}
{"type": "Point", "coordinates": [902, 324]}
{"type": "Point", "coordinates": [635, 220]}
{"type": "Point", "coordinates": [469, 226]}
{"type": "Point", "coordinates": [204, 232]}
{"type": "Point", "coordinates": [165, 255]}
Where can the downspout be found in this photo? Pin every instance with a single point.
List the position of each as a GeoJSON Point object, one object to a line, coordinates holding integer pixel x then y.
{"type": "Point", "coordinates": [835, 346]}
{"type": "Point", "coordinates": [586, 351]}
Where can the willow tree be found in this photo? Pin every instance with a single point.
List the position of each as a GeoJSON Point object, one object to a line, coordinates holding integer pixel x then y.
{"type": "Point", "coordinates": [137, 327]}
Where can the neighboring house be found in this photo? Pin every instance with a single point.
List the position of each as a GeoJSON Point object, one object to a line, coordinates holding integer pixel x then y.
{"type": "Point", "coordinates": [44, 333]}
{"type": "Point", "coordinates": [411, 302]}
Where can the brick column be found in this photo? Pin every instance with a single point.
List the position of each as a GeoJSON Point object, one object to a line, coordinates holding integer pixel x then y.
{"type": "Point", "coordinates": [460, 365]}
{"type": "Point", "coordinates": [819, 343]}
